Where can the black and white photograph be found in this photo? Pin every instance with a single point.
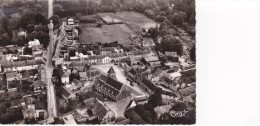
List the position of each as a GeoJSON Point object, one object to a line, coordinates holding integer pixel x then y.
{"type": "Point", "coordinates": [116, 62]}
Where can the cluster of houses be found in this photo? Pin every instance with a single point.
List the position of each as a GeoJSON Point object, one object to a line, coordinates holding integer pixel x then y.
{"type": "Point", "coordinates": [175, 78]}
{"type": "Point", "coordinates": [20, 66]}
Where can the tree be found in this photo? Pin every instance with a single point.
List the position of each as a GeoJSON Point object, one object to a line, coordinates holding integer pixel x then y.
{"type": "Point", "coordinates": [55, 20]}
{"type": "Point", "coordinates": [156, 98]}
{"type": "Point", "coordinates": [171, 43]}
{"type": "Point", "coordinates": [27, 17]}
{"type": "Point", "coordinates": [27, 51]}
{"type": "Point", "coordinates": [40, 19]}
{"type": "Point", "coordinates": [5, 39]}
{"type": "Point", "coordinates": [58, 9]}
{"type": "Point", "coordinates": [193, 53]}
{"type": "Point", "coordinates": [149, 13]}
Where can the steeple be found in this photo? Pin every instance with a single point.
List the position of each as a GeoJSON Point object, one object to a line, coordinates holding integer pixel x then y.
{"type": "Point", "coordinates": [111, 73]}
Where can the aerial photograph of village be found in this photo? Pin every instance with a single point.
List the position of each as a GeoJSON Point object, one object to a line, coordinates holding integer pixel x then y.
{"type": "Point", "coordinates": [97, 62]}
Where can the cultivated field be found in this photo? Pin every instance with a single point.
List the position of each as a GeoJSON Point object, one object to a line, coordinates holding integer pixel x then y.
{"type": "Point", "coordinates": [136, 21]}
{"type": "Point", "coordinates": [106, 33]}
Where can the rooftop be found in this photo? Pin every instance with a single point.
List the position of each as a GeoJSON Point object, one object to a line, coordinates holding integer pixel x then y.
{"type": "Point", "coordinates": [39, 83]}
{"type": "Point", "coordinates": [11, 75]}
{"type": "Point", "coordinates": [151, 59]}
{"type": "Point", "coordinates": [22, 63]}
{"type": "Point", "coordinates": [187, 91]}
{"type": "Point", "coordinates": [69, 119]}
{"type": "Point", "coordinates": [149, 84]}
{"type": "Point", "coordinates": [111, 71]}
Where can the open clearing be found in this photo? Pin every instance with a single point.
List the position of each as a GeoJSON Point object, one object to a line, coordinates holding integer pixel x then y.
{"type": "Point", "coordinates": [106, 33]}
{"type": "Point", "coordinates": [133, 24]}
{"type": "Point", "coordinates": [137, 21]}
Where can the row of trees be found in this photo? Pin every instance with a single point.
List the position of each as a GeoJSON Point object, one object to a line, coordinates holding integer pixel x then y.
{"type": "Point", "coordinates": [176, 12]}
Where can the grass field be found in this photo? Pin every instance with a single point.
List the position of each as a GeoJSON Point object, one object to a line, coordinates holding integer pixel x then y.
{"type": "Point", "coordinates": [106, 33]}
{"type": "Point", "coordinates": [133, 24]}
{"type": "Point", "coordinates": [137, 21]}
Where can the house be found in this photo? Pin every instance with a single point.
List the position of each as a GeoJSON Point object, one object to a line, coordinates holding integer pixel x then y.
{"type": "Point", "coordinates": [69, 119]}
{"type": "Point", "coordinates": [22, 65]}
{"type": "Point", "coordinates": [174, 75]}
{"type": "Point", "coordinates": [39, 86]}
{"type": "Point", "coordinates": [92, 74]}
{"type": "Point", "coordinates": [37, 53]}
{"type": "Point", "coordinates": [10, 76]}
{"type": "Point", "coordinates": [168, 95]}
{"type": "Point", "coordinates": [152, 60]}
{"type": "Point", "coordinates": [148, 86]}
{"type": "Point", "coordinates": [141, 99]}
{"type": "Point", "coordinates": [29, 112]}
{"type": "Point", "coordinates": [80, 66]}
{"type": "Point", "coordinates": [167, 82]}
{"type": "Point", "coordinates": [76, 83]}
{"type": "Point", "coordinates": [187, 91]}
{"type": "Point", "coordinates": [186, 67]}
{"type": "Point", "coordinates": [171, 54]}
{"type": "Point", "coordinates": [106, 50]}
{"type": "Point", "coordinates": [22, 33]}
{"type": "Point", "coordinates": [94, 107]}
{"type": "Point", "coordinates": [65, 78]}
{"type": "Point", "coordinates": [106, 59]}
{"type": "Point", "coordinates": [100, 59]}
{"type": "Point", "coordinates": [11, 57]}
{"type": "Point", "coordinates": [132, 73]}
{"type": "Point", "coordinates": [83, 76]}
{"type": "Point", "coordinates": [156, 75]}
{"type": "Point", "coordinates": [17, 103]}
{"type": "Point", "coordinates": [111, 88]}
{"type": "Point", "coordinates": [35, 42]}
{"type": "Point", "coordinates": [70, 21]}
{"type": "Point", "coordinates": [66, 93]}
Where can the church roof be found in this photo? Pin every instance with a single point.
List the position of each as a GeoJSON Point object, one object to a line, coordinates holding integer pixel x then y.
{"type": "Point", "coordinates": [111, 71]}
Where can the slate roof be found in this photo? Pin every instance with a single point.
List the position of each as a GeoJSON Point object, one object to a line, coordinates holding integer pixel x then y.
{"type": "Point", "coordinates": [168, 80]}
{"type": "Point", "coordinates": [76, 82]}
{"type": "Point", "coordinates": [103, 77]}
{"type": "Point", "coordinates": [133, 72]}
{"type": "Point", "coordinates": [114, 83]}
{"type": "Point", "coordinates": [158, 72]}
{"type": "Point", "coordinates": [187, 91]}
{"type": "Point", "coordinates": [65, 91]}
{"type": "Point", "coordinates": [97, 106]}
{"type": "Point", "coordinates": [111, 70]}
{"type": "Point", "coordinates": [149, 84]}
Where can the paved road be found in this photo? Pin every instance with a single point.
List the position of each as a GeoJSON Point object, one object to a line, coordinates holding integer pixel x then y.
{"type": "Point", "coordinates": [51, 98]}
